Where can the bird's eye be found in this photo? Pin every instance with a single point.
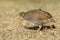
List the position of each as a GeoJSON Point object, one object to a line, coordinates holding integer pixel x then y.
{"type": "Point", "coordinates": [22, 14]}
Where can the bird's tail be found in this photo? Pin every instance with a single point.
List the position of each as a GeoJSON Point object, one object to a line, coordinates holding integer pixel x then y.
{"type": "Point", "coordinates": [52, 20]}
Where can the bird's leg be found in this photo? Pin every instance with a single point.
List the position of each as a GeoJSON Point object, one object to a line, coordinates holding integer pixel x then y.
{"type": "Point", "coordinates": [51, 24]}
{"type": "Point", "coordinates": [44, 26]}
{"type": "Point", "coordinates": [41, 27]}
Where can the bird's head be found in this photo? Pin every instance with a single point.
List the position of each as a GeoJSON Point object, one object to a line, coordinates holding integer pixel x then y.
{"type": "Point", "coordinates": [23, 14]}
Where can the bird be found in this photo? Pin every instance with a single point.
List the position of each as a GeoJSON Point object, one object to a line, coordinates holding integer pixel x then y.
{"type": "Point", "coordinates": [42, 19]}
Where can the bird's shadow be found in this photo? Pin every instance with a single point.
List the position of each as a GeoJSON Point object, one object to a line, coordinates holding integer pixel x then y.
{"type": "Point", "coordinates": [33, 28]}
{"type": "Point", "coordinates": [42, 28]}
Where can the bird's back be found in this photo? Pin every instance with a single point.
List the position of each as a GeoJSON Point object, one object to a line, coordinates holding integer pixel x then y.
{"type": "Point", "coordinates": [39, 14]}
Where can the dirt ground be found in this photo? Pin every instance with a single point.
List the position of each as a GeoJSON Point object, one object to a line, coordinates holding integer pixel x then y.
{"type": "Point", "coordinates": [12, 24]}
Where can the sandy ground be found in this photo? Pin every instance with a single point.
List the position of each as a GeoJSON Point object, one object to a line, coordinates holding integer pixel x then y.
{"type": "Point", "coordinates": [12, 25]}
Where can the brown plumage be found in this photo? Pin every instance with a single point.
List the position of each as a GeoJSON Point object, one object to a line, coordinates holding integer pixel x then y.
{"type": "Point", "coordinates": [38, 17]}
